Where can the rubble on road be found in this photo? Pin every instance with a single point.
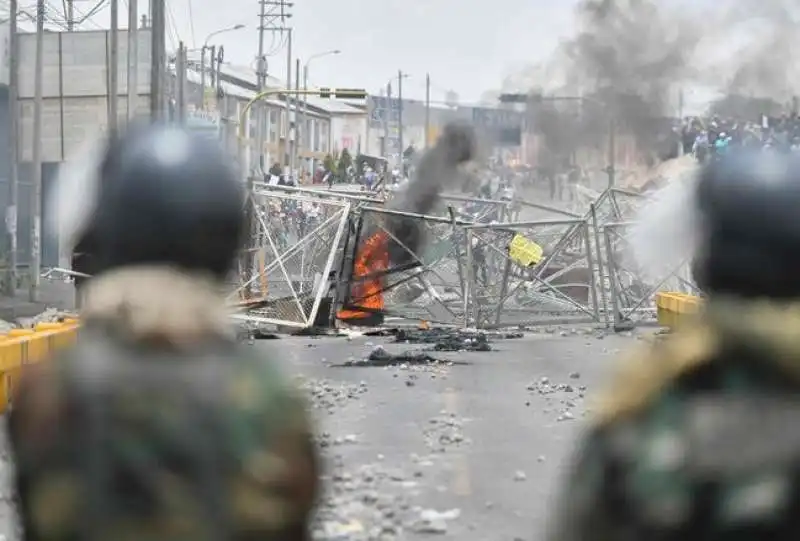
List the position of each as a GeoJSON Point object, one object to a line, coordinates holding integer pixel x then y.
{"type": "Point", "coordinates": [445, 339]}
{"type": "Point", "coordinates": [51, 315]}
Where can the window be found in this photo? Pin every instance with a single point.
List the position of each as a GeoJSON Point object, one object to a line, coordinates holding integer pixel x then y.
{"type": "Point", "coordinates": [262, 116]}
{"type": "Point", "coordinates": [316, 136]}
{"type": "Point", "coordinates": [324, 136]}
{"type": "Point", "coordinates": [273, 125]}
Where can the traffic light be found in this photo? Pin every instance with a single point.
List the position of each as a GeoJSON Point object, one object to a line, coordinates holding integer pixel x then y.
{"type": "Point", "coordinates": [514, 98]}
{"type": "Point", "coordinates": [521, 98]}
{"type": "Point", "coordinates": [351, 93]}
{"type": "Point", "coordinates": [324, 92]}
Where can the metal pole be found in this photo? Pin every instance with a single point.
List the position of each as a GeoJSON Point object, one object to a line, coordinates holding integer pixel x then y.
{"type": "Point", "coordinates": [180, 81]}
{"type": "Point", "coordinates": [308, 135]}
{"type": "Point", "coordinates": [286, 129]}
{"type": "Point", "coordinates": [612, 152]}
{"type": "Point", "coordinates": [214, 67]}
{"type": "Point", "coordinates": [427, 110]}
{"type": "Point", "coordinates": [388, 114]}
{"type": "Point", "coordinates": [133, 57]}
{"type": "Point", "coordinates": [13, 174]}
{"type": "Point", "coordinates": [36, 198]}
{"type": "Point", "coordinates": [298, 129]}
{"type": "Point", "coordinates": [113, 68]}
{"type": "Point", "coordinates": [70, 15]}
{"type": "Point", "coordinates": [203, 50]}
{"type": "Point", "coordinates": [158, 59]}
{"type": "Point", "coordinates": [400, 122]}
{"type": "Point", "coordinates": [258, 111]}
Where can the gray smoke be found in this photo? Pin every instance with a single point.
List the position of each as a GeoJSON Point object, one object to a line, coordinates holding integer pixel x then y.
{"type": "Point", "coordinates": [437, 171]}
{"type": "Point", "coordinates": [632, 59]}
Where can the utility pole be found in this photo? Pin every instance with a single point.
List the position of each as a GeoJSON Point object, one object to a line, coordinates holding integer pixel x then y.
{"type": "Point", "coordinates": [220, 106]}
{"type": "Point", "coordinates": [158, 60]}
{"type": "Point", "coordinates": [70, 15]}
{"type": "Point", "coordinates": [13, 172]}
{"type": "Point", "coordinates": [298, 129]}
{"type": "Point", "coordinates": [133, 57]}
{"type": "Point", "coordinates": [388, 114]}
{"type": "Point", "coordinates": [36, 198]}
{"type": "Point", "coordinates": [261, 74]}
{"type": "Point", "coordinates": [427, 110]}
{"type": "Point", "coordinates": [203, 51]}
{"type": "Point", "coordinates": [288, 128]}
{"type": "Point", "coordinates": [400, 121]}
{"type": "Point", "coordinates": [308, 138]}
{"type": "Point", "coordinates": [113, 68]}
{"type": "Point", "coordinates": [180, 81]}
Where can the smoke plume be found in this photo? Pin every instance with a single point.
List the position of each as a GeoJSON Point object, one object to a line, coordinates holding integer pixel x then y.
{"type": "Point", "coordinates": [636, 60]}
{"type": "Point", "coordinates": [437, 171]}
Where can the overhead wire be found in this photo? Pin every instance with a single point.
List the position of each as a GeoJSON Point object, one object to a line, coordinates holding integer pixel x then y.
{"type": "Point", "coordinates": [191, 24]}
{"type": "Point", "coordinates": [172, 27]}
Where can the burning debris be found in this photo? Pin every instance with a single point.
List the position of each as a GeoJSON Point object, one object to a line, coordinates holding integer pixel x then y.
{"type": "Point", "coordinates": [391, 243]}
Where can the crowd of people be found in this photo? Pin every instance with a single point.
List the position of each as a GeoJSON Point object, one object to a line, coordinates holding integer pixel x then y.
{"type": "Point", "coordinates": [713, 137]}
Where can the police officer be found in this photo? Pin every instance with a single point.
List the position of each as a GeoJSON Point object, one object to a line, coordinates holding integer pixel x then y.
{"type": "Point", "coordinates": [696, 438]}
{"type": "Point", "coordinates": [157, 424]}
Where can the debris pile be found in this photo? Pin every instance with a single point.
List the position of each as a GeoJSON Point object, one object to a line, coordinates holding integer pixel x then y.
{"type": "Point", "coordinates": [562, 398]}
{"type": "Point", "coordinates": [445, 339]}
{"type": "Point", "coordinates": [329, 395]}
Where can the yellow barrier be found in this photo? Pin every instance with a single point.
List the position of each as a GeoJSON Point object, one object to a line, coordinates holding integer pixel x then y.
{"type": "Point", "coordinates": [22, 347]}
{"type": "Point", "coordinates": [675, 309]}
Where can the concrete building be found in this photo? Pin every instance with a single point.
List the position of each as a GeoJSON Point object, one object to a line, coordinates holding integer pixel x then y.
{"type": "Point", "coordinates": [326, 125]}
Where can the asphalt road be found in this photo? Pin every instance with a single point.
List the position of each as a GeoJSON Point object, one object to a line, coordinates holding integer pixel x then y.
{"type": "Point", "coordinates": [468, 451]}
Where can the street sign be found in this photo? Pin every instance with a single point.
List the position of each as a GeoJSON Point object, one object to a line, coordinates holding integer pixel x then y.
{"type": "Point", "coordinates": [493, 119]}
{"type": "Point", "coordinates": [378, 110]}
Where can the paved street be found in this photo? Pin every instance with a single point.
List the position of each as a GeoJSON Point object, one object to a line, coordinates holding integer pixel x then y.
{"type": "Point", "coordinates": [469, 449]}
{"type": "Point", "coordinates": [464, 451]}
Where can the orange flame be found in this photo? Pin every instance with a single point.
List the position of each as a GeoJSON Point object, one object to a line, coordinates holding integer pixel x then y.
{"type": "Point", "coordinates": [372, 258]}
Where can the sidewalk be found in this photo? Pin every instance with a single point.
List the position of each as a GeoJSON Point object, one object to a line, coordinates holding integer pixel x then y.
{"type": "Point", "coordinates": [52, 294]}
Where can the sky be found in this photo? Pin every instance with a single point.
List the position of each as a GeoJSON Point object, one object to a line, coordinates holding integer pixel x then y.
{"type": "Point", "coordinates": [467, 46]}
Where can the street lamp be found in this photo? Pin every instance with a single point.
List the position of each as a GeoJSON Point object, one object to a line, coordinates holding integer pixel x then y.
{"type": "Point", "coordinates": [203, 57]}
{"type": "Point", "coordinates": [302, 126]}
{"type": "Point", "coordinates": [221, 31]}
{"type": "Point", "coordinates": [399, 78]}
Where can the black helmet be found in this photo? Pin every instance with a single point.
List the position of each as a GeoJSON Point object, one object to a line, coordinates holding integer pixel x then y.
{"type": "Point", "coordinates": [166, 196]}
{"type": "Point", "coordinates": [749, 206]}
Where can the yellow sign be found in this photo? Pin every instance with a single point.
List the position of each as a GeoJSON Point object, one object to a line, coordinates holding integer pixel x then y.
{"type": "Point", "coordinates": [525, 252]}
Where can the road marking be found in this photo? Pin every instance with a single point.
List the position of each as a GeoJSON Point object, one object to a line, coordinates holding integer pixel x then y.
{"type": "Point", "coordinates": [462, 485]}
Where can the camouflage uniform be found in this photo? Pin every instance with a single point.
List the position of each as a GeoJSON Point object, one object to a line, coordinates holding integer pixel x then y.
{"type": "Point", "coordinates": [158, 426]}
{"type": "Point", "coordinates": [696, 437]}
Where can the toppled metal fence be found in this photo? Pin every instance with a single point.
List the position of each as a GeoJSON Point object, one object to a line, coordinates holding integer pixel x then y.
{"type": "Point", "coordinates": [294, 245]}
{"type": "Point", "coordinates": [470, 264]}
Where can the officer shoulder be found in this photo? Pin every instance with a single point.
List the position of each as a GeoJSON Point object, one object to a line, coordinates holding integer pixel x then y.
{"type": "Point", "coordinates": [278, 484]}
{"type": "Point", "coordinates": [641, 377]}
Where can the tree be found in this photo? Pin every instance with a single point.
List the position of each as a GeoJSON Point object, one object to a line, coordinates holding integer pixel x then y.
{"type": "Point", "coordinates": [345, 161]}
{"type": "Point", "coordinates": [330, 163]}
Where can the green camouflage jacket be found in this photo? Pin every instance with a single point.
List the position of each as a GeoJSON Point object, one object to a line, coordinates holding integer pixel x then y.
{"type": "Point", "coordinates": [697, 436]}
{"type": "Point", "coordinates": [152, 429]}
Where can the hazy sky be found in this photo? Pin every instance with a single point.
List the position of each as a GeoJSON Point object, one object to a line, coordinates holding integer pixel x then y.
{"type": "Point", "coordinates": [466, 45]}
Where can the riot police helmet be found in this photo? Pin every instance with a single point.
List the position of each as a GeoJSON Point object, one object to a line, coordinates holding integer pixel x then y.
{"type": "Point", "coordinates": [749, 219]}
{"type": "Point", "coordinates": [164, 196]}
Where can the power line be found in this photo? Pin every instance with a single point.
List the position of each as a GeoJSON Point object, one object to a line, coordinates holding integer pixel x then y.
{"type": "Point", "coordinates": [191, 23]}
